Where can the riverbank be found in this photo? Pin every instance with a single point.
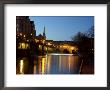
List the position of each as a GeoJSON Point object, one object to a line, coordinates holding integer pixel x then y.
{"type": "Point", "coordinates": [87, 68]}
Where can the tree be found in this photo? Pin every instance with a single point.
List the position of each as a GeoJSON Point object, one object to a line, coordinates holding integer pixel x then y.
{"type": "Point", "coordinates": [80, 40]}
{"type": "Point", "coordinates": [90, 32]}
{"type": "Point", "coordinates": [78, 37]}
{"type": "Point", "coordinates": [85, 43]}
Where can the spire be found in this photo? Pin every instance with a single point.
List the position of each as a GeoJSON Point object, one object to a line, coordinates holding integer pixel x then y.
{"type": "Point", "coordinates": [44, 32]}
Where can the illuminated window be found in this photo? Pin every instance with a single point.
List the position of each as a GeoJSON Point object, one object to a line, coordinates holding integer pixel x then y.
{"type": "Point", "coordinates": [19, 46]}
{"type": "Point", "coordinates": [27, 46]}
{"type": "Point", "coordinates": [23, 45]}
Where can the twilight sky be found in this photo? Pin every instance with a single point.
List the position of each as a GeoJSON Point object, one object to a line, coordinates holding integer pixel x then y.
{"type": "Point", "coordinates": [60, 28]}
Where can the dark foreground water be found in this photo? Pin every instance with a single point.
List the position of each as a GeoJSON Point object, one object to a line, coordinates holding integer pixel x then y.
{"type": "Point", "coordinates": [51, 64]}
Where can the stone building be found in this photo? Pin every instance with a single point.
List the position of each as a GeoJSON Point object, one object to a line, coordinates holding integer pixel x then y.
{"type": "Point", "coordinates": [25, 27]}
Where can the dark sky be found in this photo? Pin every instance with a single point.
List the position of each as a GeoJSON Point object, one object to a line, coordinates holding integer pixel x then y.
{"type": "Point", "coordinates": [60, 28]}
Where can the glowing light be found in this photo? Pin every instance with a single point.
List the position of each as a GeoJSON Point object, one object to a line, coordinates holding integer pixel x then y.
{"type": "Point", "coordinates": [35, 69]}
{"type": "Point", "coordinates": [64, 46]}
{"type": "Point", "coordinates": [60, 46]}
{"type": "Point", "coordinates": [23, 45]}
{"type": "Point", "coordinates": [72, 48]}
{"type": "Point", "coordinates": [43, 65]}
{"type": "Point", "coordinates": [31, 33]}
{"type": "Point", "coordinates": [21, 67]}
{"type": "Point", "coordinates": [40, 47]}
{"type": "Point", "coordinates": [43, 41]}
{"type": "Point", "coordinates": [20, 34]}
{"type": "Point", "coordinates": [24, 36]}
{"type": "Point", "coordinates": [49, 44]}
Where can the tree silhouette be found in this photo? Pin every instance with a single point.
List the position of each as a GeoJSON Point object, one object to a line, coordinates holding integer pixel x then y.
{"type": "Point", "coordinates": [90, 32]}
{"type": "Point", "coordinates": [85, 43]}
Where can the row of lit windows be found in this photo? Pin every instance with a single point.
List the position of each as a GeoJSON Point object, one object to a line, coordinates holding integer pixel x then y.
{"type": "Point", "coordinates": [23, 46]}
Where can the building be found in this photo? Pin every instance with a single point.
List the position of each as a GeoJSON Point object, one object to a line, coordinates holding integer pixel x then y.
{"type": "Point", "coordinates": [51, 46]}
{"type": "Point", "coordinates": [25, 32]}
{"type": "Point", "coordinates": [25, 36]}
{"type": "Point", "coordinates": [25, 45]}
{"type": "Point", "coordinates": [41, 38]}
{"type": "Point", "coordinates": [25, 27]}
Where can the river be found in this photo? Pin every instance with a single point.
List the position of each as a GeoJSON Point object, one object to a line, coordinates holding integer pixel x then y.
{"type": "Point", "coordinates": [52, 64]}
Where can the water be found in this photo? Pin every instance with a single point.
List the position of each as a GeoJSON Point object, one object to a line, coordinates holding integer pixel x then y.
{"type": "Point", "coordinates": [55, 64]}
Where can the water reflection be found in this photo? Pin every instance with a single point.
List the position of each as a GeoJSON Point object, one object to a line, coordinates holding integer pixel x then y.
{"type": "Point", "coordinates": [57, 64]}
{"type": "Point", "coordinates": [50, 64]}
{"type": "Point", "coordinates": [21, 66]}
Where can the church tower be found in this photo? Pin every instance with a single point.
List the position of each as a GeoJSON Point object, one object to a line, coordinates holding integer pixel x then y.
{"type": "Point", "coordinates": [44, 32]}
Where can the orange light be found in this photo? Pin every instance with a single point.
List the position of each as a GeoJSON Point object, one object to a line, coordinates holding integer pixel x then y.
{"type": "Point", "coordinates": [72, 48]}
{"type": "Point", "coordinates": [49, 44]}
{"type": "Point", "coordinates": [64, 46]}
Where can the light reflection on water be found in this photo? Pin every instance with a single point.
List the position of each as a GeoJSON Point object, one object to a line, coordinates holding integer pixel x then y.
{"type": "Point", "coordinates": [57, 64]}
{"type": "Point", "coordinates": [21, 66]}
{"type": "Point", "coordinates": [51, 64]}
